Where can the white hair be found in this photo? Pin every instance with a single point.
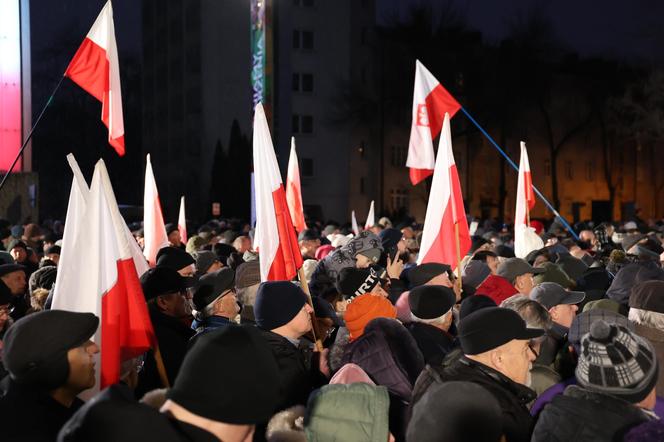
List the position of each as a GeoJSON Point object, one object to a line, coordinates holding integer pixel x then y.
{"type": "Point", "coordinates": [647, 318]}
{"type": "Point", "coordinates": [435, 321]}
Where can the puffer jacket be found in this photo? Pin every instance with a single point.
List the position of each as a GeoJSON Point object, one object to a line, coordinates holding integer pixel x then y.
{"type": "Point", "coordinates": [329, 408]}
{"type": "Point", "coordinates": [582, 415]}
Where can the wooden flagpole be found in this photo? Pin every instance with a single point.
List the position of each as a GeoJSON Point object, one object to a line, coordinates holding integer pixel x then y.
{"type": "Point", "coordinates": [458, 250]}
{"type": "Point", "coordinates": [161, 368]}
{"type": "Point", "coordinates": [314, 324]}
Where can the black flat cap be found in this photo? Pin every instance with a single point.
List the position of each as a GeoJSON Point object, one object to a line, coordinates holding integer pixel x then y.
{"type": "Point", "coordinates": [212, 285]}
{"type": "Point", "coordinates": [513, 267]}
{"type": "Point", "coordinates": [491, 327]}
{"type": "Point", "coordinates": [36, 346]}
{"type": "Point", "coordinates": [174, 258]}
{"type": "Point", "coordinates": [6, 269]}
{"type": "Point", "coordinates": [648, 295]}
{"type": "Point", "coordinates": [307, 235]}
{"type": "Point", "coordinates": [424, 273]}
{"type": "Point", "coordinates": [218, 378]}
{"type": "Point", "coordinates": [550, 294]}
{"type": "Point", "coordinates": [162, 281]}
{"type": "Point", "coordinates": [431, 301]}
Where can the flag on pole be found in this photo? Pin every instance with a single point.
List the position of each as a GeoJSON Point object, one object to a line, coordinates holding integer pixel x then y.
{"type": "Point", "coordinates": [445, 209]}
{"type": "Point", "coordinates": [430, 103]}
{"type": "Point", "coordinates": [182, 222]}
{"type": "Point", "coordinates": [275, 237]}
{"type": "Point", "coordinates": [294, 190]}
{"type": "Point", "coordinates": [371, 218]}
{"type": "Point", "coordinates": [356, 227]}
{"type": "Point", "coordinates": [106, 281]}
{"type": "Point", "coordinates": [154, 230]}
{"type": "Point", "coordinates": [525, 238]}
{"type": "Point", "coordinates": [95, 68]}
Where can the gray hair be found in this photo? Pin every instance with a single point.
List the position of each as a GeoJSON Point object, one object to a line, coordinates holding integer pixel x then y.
{"type": "Point", "coordinates": [435, 321]}
{"type": "Point", "coordinates": [247, 295]}
{"type": "Point", "coordinates": [647, 318]}
{"type": "Point", "coordinates": [534, 313]}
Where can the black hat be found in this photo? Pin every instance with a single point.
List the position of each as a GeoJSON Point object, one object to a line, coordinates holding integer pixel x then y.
{"type": "Point", "coordinates": [36, 346]}
{"type": "Point", "coordinates": [308, 235]}
{"type": "Point", "coordinates": [630, 241]}
{"type": "Point", "coordinates": [355, 282]}
{"type": "Point", "coordinates": [476, 242]}
{"type": "Point", "coordinates": [431, 301]}
{"type": "Point", "coordinates": [162, 281]}
{"type": "Point", "coordinates": [277, 303]}
{"type": "Point", "coordinates": [390, 237]}
{"type": "Point", "coordinates": [204, 260]}
{"type": "Point", "coordinates": [171, 227]}
{"type": "Point", "coordinates": [550, 294]}
{"type": "Point", "coordinates": [323, 309]}
{"type": "Point", "coordinates": [474, 303]}
{"type": "Point", "coordinates": [648, 295]}
{"type": "Point", "coordinates": [212, 285]}
{"type": "Point", "coordinates": [491, 327]}
{"type": "Point", "coordinates": [6, 296]}
{"type": "Point", "coordinates": [504, 251]}
{"type": "Point", "coordinates": [423, 273]}
{"type": "Point", "coordinates": [42, 278]}
{"type": "Point", "coordinates": [223, 251]}
{"type": "Point", "coordinates": [54, 250]}
{"type": "Point", "coordinates": [174, 258]}
{"type": "Point", "coordinates": [6, 269]}
{"type": "Point", "coordinates": [229, 376]}
{"type": "Point", "coordinates": [475, 272]}
{"type": "Point", "coordinates": [16, 243]}
{"type": "Point", "coordinates": [513, 267]}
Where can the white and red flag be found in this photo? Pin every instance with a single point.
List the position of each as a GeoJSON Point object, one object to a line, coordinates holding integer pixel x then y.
{"type": "Point", "coordinates": [95, 68]}
{"type": "Point", "coordinates": [154, 229]}
{"type": "Point", "coordinates": [525, 238]}
{"type": "Point", "coordinates": [356, 227]}
{"type": "Point", "coordinates": [182, 222]}
{"type": "Point", "coordinates": [371, 217]}
{"type": "Point", "coordinates": [445, 210]}
{"type": "Point", "coordinates": [430, 103]}
{"type": "Point", "coordinates": [294, 190]}
{"type": "Point", "coordinates": [275, 237]}
{"type": "Point", "coordinates": [106, 281]}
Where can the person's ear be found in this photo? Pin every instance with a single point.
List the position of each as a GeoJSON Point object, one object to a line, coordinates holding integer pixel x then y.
{"type": "Point", "coordinates": [496, 357]}
{"type": "Point", "coordinates": [553, 312]}
{"type": "Point", "coordinates": [162, 302]}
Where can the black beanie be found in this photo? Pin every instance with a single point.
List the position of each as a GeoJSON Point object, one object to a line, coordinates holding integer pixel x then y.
{"type": "Point", "coordinates": [474, 303]}
{"type": "Point", "coordinates": [36, 346]}
{"type": "Point", "coordinates": [431, 301]}
{"type": "Point", "coordinates": [277, 302]}
{"type": "Point", "coordinates": [229, 376]}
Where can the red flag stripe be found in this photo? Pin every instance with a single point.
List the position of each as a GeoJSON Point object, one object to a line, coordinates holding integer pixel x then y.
{"type": "Point", "coordinates": [288, 258]}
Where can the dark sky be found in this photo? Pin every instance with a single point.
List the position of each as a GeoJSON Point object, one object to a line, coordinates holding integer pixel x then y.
{"type": "Point", "coordinates": [620, 28]}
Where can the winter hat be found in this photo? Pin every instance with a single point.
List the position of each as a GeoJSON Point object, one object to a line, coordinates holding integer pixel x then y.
{"type": "Point", "coordinates": [17, 232]}
{"type": "Point", "coordinates": [476, 242]}
{"type": "Point", "coordinates": [355, 282]}
{"type": "Point", "coordinates": [247, 274]}
{"type": "Point", "coordinates": [423, 273]}
{"type": "Point", "coordinates": [174, 258]}
{"type": "Point", "coordinates": [390, 238]}
{"type": "Point", "coordinates": [6, 269]}
{"type": "Point", "coordinates": [648, 295]}
{"type": "Point", "coordinates": [366, 243]}
{"type": "Point", "coordinates": [603, 304]}
{"type": "Point", "coordinates": [475, 273]}
{"type": "Point", "coordinates": [474, 303]}
{"type": "Point", "coordinates": [218, 377]}
{"type": "Point", "coordinates": [630, 241]}
{"type": "Point", "coordinates": [362, 309]}
{"type": "Point", "coordinates": [456, 412]}
{"type": "Point", "coordinates": [582, 322]}
{"type": "Point", "coordinates": [504, 251]}
{"type": "Point", "coordinates": [324, 309]}
{"type": "Point", "coordinates": [308, 235]}
{"type": "Point", "coordinates": [57, 250]}
{"type": "Point", "coordinates": [36, 346]}
{"type": "Point", "coordinates": [431, 301]}
{"type": "Point", "coordinates": [6, 296]}
{"type": "Point", "coordinates": [204, 260]}
{"type": "Point", "coordinates": [554, 273]}
{"type": "Point", "coordinates": [212, 285]}
{"type": "Point", "coordinates": [277, 303]}
{"type": "Point", "coordinates": [349, 374]}
{"type": "Point", "coordinates": [16, 243]}
{"type": "Point", "coordinates": [574, 267]}
{"type": "Point", "coordinates": [43, 278]}
{"type": "Point", "coordinates": [617, 362]}
{"type": "Point", "coordinates": [223, 251]}
{"type": "Point", "coordinates": [162, 281]}
{"type": "Point", "coordinates": [513, 267]}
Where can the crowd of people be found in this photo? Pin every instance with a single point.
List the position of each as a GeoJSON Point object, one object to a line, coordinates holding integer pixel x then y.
{"type": "Point", "coordinates": [562, 344]}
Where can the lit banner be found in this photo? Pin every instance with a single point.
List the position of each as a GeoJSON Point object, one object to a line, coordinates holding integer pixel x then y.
{"type": "Point", "coordinates": [260, 45]}
{"type": "Point", "coordinates": [10, 83]}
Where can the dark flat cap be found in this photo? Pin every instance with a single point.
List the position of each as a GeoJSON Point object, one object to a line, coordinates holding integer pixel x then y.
{"type": "Point", "coordinates": [204, 260]}
{"type": "Point", "coordinates": [630, 241]}
{"type": "Point", "coordinates": [174, 258]}
{"type": "Point", "coordinates": [582, 322]}
{"type": "Point", "coordinates": [513, 267]}
{"type": "Point", "coordinates": [36, 346]}
{"type": "Point", "coordinates": [54, 250]}
{"type": "Point", "coordinates": [223, 388]}
{"type": "Point", "coordinates": [431, 301]}
{"type": "Point", "coordinates": [248, 274]}
{"type": "Point", "coordinates": [648, 295]}
{"type": "Point", "coordinates": [550, 294]}
{"type": "Point", "coordinates": [162, 281]}
{"type": "Point", "coordinates": [212, 285]}
{"type": "Point", "coordinates": [491, 327]}
{"type": "Point", "coordinates": [6, 269]}
{"type": "Point", "coordinates": [423, 273]}
{"type": "Point", "coordinates": [42, 278]}
{"type": "Point", "coordinates": [308, 235]}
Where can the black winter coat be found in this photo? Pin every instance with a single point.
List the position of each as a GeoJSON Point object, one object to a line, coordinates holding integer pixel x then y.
{"type": "Point", "coordinates": [173, 338]}
{"type": "Point", "coordinates": [581, 415]}
{"type": "Point", "coordinates": [512, 397]}
{"type": "Point", "coordinates": [433, 342]}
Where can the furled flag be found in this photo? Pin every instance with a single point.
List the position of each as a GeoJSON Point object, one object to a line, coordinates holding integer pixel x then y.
{"type": "Point", "coordinates": [154, 230]}
{"type": "Point", "coordinates": [371, 218]}
{"type": "Point", "coordinates": [182, 222]}
{"type": "Point", "coordinates": [356, 227]}
{"type": "Point", "coordinates": [294, 190]}
{"type": "Point", "coordinates": [275, 237]}
{"type": "Point", "coordinates": [106, 283]}
{"type": "Point", "coordinates": [430, 103]}
{"type": "Point", "coordinates": [444, 210]}
{"type": "Point", "coordinates": [95, 68]}
{"type": "Point", "coordinates": [525, 238]}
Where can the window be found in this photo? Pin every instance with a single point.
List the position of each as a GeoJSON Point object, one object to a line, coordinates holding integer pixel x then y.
{"type": "Point", "coordinates": [303, 82]}
{"type": "Point", "coordinates": [547, 167]}
{"type": "Point", "coordinates": [296, 123]}
{"type": "Point", "coordinates": [399, 199]}
{"type": "Point", "coordinates": [362, 189]}
{"type": "Point", "coordinates": [307, 123]}
{"type": "Point", "coordinates": [590, 171]}
{"type": "Point", "coordinates": [303, 39]}
{"type": "Point", "coordinates": [568, 170]}
{"type": "Point", "coordinates": [307, 167]}
{"type": "Point", "coordinates": [398, 157]}
{"type": "Point", "coordinates": [296, 39]}
{"type": "Point", "coordinates": [296, 82]}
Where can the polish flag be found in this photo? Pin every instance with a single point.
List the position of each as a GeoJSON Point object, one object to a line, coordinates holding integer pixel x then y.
{"type": "Point", "coordinates": [356, 227]}
{"type": "Point", "coordinates": [445, 210]}
{"type": "Point", "coordinates": [525, 238]}
{"type": "Point", "coordinates": [182, 222]}
{"type": "Point", "coordinates": [106, 281]}
{"type": "Point", "coordinates": [430, 103]}
{"type": "Point", "coordinates": [294, 190]}
{"type": "Point", "coordinates": [275, 237]}
{"type": "Point", "coordinates": [154, 230]}
{"type": "Point", "coordinates": [95, 68]}
{"type": "Point", "coordinates": [371, 218]}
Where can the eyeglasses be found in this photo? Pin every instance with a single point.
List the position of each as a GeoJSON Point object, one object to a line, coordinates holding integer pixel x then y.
{"type": "Point", "coordinates": [530, 346]}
